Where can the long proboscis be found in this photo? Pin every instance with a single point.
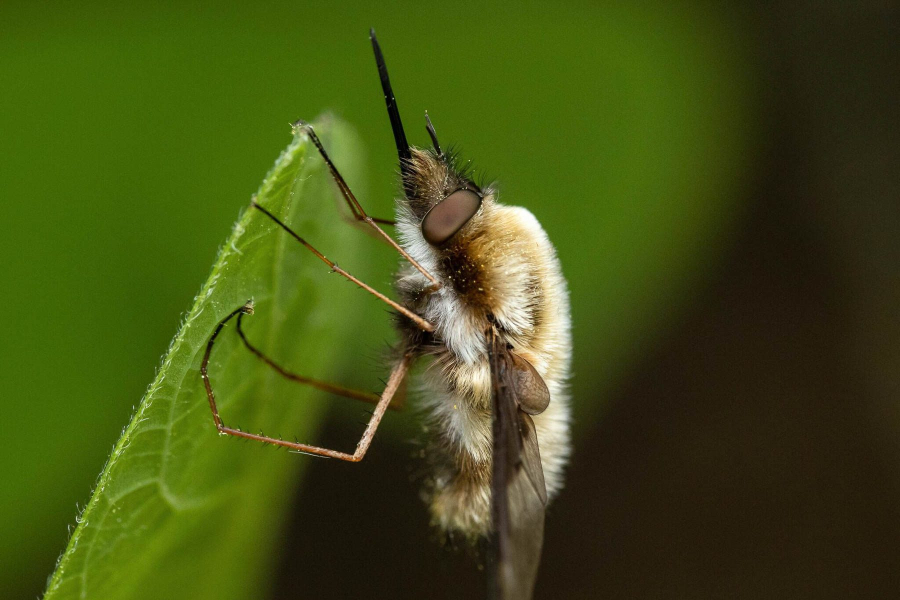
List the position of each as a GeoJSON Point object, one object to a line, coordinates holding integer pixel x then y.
{"type": "Point", "coordinates": [403, 151]}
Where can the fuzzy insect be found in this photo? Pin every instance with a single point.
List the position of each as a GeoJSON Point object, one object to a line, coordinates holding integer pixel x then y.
{"type": "Point", "coordinates": [483, 300]}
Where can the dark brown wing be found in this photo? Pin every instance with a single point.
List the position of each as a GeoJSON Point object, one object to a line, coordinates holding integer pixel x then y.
{"type": "Point", "coordinates": [518, 491]}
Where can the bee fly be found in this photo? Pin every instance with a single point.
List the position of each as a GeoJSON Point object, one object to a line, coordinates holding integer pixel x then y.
{"type": "Point", "coordinates": [483, 300]}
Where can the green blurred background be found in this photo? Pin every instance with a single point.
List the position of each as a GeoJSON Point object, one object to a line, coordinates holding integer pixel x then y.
{"type": "Point", "coordinates": [721, 186]}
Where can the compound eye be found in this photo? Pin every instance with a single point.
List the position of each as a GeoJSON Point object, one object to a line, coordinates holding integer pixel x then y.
{"type": "Point", "coordinates": [449, 215]}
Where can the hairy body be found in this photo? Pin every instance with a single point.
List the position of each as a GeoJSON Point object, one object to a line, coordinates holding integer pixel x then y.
{"type": "Point", "coordinates": [499, 269]}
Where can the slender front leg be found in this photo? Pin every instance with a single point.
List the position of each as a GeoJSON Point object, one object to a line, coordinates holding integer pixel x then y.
{"type": "Point", "coordinates": [397, 374]}
{"type": "Point", "coordinates": [419, 321]}
{"type": "Point", "coordinates": [356, 208]}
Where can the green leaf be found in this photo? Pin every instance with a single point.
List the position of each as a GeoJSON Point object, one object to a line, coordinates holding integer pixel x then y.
{"type": "Point", "coordinates": [178, 511]}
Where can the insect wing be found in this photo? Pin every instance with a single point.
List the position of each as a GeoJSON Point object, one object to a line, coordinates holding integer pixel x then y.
{"type": "Point", "coordinates": [532, 394]}
{"type": "Point", "coordinates": [518, 491]}
{"type": "Point", "coordinates": [531, 457]}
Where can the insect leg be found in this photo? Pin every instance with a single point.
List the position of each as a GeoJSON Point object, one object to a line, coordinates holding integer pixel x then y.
{"type": "Point", "coordinates": [337, 390]}
{"type": "Point", "coordinates": [419, 321]}
{"type": "Point", "coordinates": [358, 213]}
{"type": "Point", "coordinates": [355, 207]}
{"type": "Point", "coordinates": [393, 384]}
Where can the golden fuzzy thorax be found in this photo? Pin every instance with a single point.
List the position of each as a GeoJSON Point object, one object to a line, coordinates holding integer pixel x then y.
{"type": "Point", "coordinates": [501, 264]}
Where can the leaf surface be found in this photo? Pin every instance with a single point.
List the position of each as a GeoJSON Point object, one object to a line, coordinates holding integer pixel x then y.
{"type": "Point", "coordinates": [178, 511]}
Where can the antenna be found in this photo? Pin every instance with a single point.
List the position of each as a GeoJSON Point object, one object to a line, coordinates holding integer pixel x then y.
{"type": "Point", "coordinates": [430, 127]}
